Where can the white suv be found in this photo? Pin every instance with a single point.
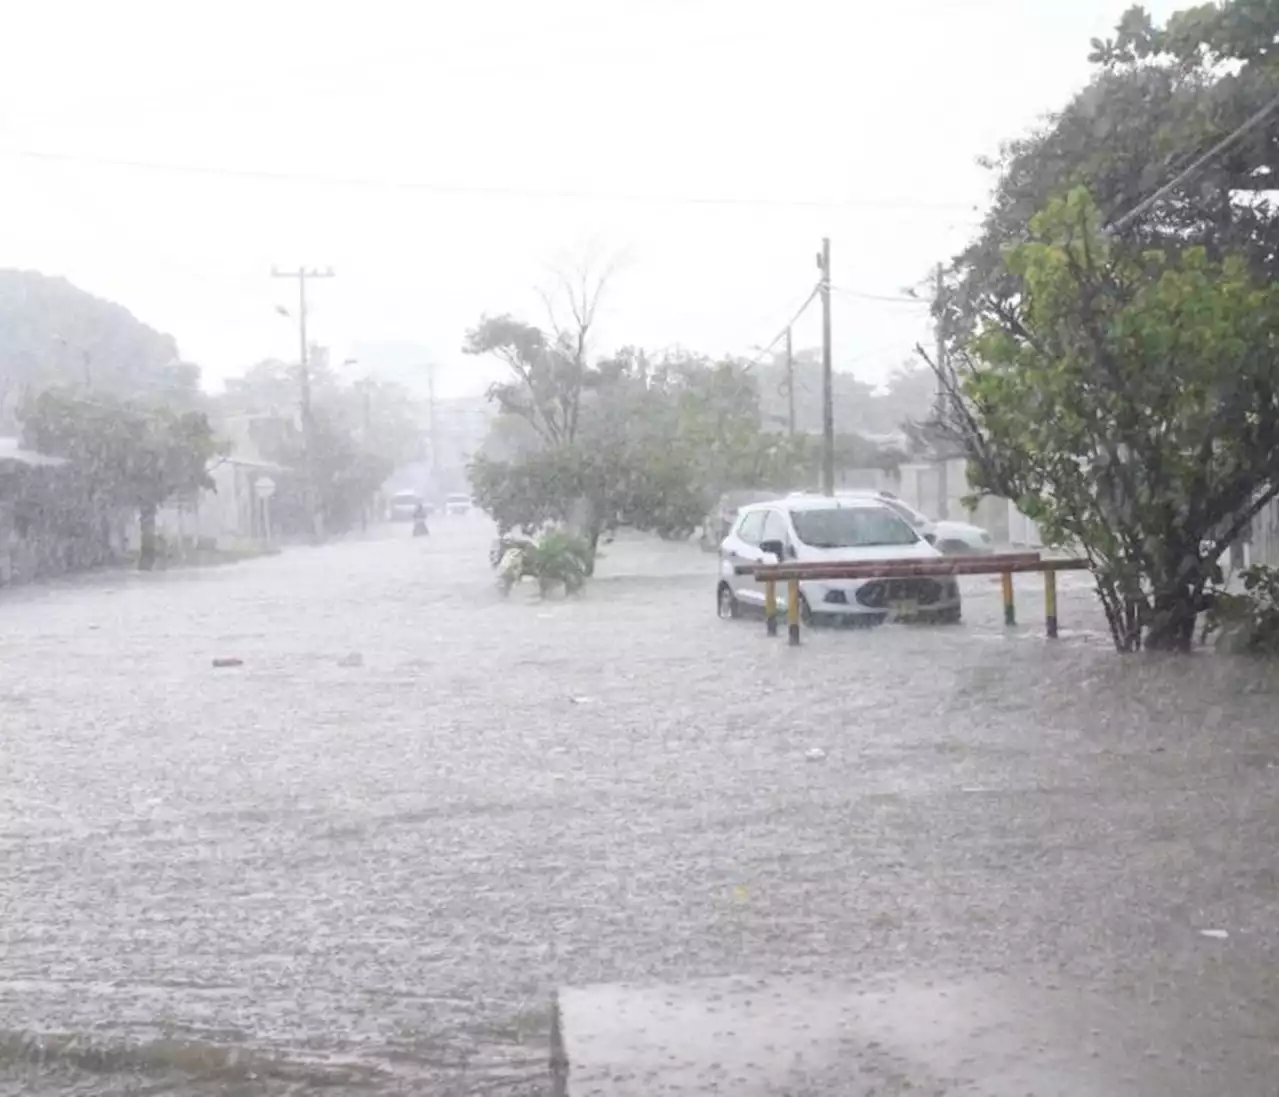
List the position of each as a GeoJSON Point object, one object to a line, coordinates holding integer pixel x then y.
{"type": "Point", "coordinates": [951, 537]}
{"type": "Point", "coordinates": [844, 529]}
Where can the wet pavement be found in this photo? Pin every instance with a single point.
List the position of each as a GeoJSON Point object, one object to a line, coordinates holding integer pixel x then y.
{"type": "Point", "coordinates": [370, 874]}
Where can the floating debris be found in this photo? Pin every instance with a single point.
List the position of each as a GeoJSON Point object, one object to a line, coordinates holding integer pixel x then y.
{"type": "Point", "coordinates": [1216, 934]}
{"type": "Point", "coordinates": [355, 659]}
{"type": "Point", "coordinates": [228, 662]}
{"type": "Point", "coordinates": [815, 754]}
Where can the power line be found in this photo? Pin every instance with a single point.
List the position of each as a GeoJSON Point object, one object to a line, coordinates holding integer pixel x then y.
{"type": "Point", "coordinates": [762, 351]}
{"type": "Point", "coordinates": [1254, 119]}
{"type": "Point", "coordinates": [895, 300]}
{"type": "Point", "coordinates": [463, 189]}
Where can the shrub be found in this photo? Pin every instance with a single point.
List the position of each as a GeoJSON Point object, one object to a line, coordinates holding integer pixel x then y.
{"type": "Point", "coordinates": [1245, 621]}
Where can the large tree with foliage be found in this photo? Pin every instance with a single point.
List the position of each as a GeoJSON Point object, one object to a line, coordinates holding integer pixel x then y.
{"type": "Point", "coordinates": [1127, 401]}
{"type": "Point", "coordinates": [1161, 97]}
{"type": "Point", "coordinates": [361, 431]}
{"type": "Point", "coordinates": [124, 454]}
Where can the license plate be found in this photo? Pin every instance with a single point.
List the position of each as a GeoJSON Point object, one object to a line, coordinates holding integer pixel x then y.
{"type": "Point", "coordinates": [903, 608]}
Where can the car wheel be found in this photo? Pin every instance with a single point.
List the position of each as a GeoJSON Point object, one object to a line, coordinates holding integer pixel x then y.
{"type": "Point", "coordinates": [949, 616]}
{"type": "Point", "coordinates": [726, 604]}
{"type": "Point", "coordinates": [806, 614]}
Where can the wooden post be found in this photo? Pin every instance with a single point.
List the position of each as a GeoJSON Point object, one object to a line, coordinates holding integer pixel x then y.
{"type": "Point", "coordinates": [1006, 589]}
{"type": "Point", "coordinates": [770, 607]}
{"type": "Point", "coordinates": [1051, 603]}
{"type": "Point", "coordinates": [793, 612]}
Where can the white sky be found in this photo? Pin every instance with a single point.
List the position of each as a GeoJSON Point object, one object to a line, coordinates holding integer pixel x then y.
{"type": "Point", "coordinates": [853, 120]}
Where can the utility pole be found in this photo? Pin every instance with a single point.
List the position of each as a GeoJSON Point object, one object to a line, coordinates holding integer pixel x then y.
{"type": "Point", "coordinates": [304, 394]}
{"type": "Point", "coordinates": [828, 413]}
{"type": "Point", "coordinates": [940, 399]}
{"type": "Point", "coordinates": [433, 424]}
{"type": "Point", "coordinates": [791, 390]}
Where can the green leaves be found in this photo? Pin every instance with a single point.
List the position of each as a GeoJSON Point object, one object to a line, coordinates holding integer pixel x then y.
{"type": "Point", "coordinates": [1128, 401]}
{"type": "Point", "coordinates": [127, 453]}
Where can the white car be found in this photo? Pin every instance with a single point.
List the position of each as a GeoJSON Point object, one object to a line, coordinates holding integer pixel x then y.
{"type": "Point", "coordinates": [843, 529]}
{"type": "Point", "coordinates": [457, 503]}
{"type": "Point", "coordinates": [404, 506]}
{"type": "Point", "coordinates": [952, 538]}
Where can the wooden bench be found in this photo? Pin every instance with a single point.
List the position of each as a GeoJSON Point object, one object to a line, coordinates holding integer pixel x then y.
{"type": "Point", "coordinates": [1006, 565]}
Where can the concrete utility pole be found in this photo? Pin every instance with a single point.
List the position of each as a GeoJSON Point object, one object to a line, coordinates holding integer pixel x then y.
{"type": "Point", "coordinates": [791, 390]}
{"type": "Point", "coordinates": [433, 424]}
{"type": "Point", "coordinates": [828, 412]}
{"type": "Point", "coordinates": [940, 408]}
{"type": "Point", "coordinates": [304, 394]}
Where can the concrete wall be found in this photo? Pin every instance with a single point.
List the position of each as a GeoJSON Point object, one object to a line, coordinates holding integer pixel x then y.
{"type": "Point", "coordinates": [938, 489]}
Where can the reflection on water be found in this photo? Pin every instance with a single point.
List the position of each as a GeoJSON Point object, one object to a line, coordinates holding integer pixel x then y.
{"type": "Point", "coordinates": [298, 873]}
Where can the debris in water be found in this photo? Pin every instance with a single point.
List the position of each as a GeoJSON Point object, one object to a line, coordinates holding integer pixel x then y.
{"type": "Point", "coordinates": [580, 701]}
{"type": "Point", "coordinates": [228, 662]}
{"type": "Point", "coordinates": [815, 754]}
{"type": "Point", "coordinates": [355, 659]}
{"type": "Point", "coordinates": [1216, 934]}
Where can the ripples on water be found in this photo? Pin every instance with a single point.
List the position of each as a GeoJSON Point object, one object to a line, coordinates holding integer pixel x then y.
{"type": "Point", "coordinates": [297, 875]}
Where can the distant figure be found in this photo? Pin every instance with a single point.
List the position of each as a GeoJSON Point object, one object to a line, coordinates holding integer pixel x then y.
{"type": "Point", "coordinates": [420, 521]}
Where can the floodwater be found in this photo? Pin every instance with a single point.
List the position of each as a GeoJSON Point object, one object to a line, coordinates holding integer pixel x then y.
{"type": "Point", "coordinates": [365, 858]}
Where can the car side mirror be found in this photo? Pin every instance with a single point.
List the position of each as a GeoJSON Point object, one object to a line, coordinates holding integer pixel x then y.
{"type": "Point", "coordinates": [932, 538]}
{"type": "Point", "coordinates": [775, 547]}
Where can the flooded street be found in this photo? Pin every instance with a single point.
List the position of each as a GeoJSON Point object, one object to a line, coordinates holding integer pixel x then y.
{"type": "Point", "coordinates": [366, 857]}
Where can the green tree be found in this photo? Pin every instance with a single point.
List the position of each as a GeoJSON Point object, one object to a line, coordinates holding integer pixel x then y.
{"type": "Point", "coordinates": [1161, 97]}
{"type": "Point", "coordinates": [126, 454]}
{"type": "Point", "coordinates": [1127, 400]}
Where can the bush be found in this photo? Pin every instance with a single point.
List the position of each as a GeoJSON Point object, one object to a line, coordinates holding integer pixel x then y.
{"type": "Point", "coordinates": [1246, 621]}
{"type": "Point", "coordinates": [559, 557]}
{"type": "Point", "coordinates": [555, 557]}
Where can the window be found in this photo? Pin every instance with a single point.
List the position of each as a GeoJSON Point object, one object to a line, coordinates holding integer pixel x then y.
{"type": "Point", "coordinates": [775, 528]}
{"type": "Point", "coordinates": [851, 527]}
{"type": "Point", "coordinates": [906, 512]}
{"type": "Point", "coordinates": [749, 529]}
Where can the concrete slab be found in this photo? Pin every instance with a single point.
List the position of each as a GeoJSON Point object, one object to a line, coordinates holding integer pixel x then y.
{"type": "Point", "coordinates": [803, 1037]}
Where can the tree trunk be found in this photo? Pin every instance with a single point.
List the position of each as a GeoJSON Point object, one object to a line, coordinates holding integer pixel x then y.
{"type": "Point", "coordinates": [147, 539]}
{"type": "Point", "coordinates": [593, 542]}
{"type": "Point", "coordinates": [1172, 626]}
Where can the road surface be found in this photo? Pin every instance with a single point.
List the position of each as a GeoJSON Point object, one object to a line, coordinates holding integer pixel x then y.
{"type": "Point", "coordinates": [364, 858]}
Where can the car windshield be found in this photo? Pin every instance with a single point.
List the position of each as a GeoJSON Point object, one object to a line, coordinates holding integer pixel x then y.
{"type": "Point", "coordinates": [851, 527]}
{"type": "Point", "coordinates": [908, 514]}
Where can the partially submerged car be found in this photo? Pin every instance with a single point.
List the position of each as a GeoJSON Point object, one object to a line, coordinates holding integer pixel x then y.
{"type": "Point", "coordinates": [950, 537]}
{"type": "Point", "coordinates": [841, 529]}
{"type": "Point", "coordinates": [404, 505]}
{"type": "Point", "coordinates": [718, 522]}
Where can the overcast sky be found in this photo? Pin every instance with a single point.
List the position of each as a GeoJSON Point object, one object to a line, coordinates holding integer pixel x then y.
{"type": "Point", "coordinates": [440, 156]}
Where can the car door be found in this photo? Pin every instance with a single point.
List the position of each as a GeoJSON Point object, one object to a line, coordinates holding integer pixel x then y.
{"type": "Point", "coordinates": [742, 546]}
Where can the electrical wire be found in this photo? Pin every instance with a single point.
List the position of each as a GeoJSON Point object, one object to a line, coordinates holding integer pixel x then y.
{"type": "Point", "coordinates": [1258, 117]}
{"type": "Point", "coordinates": [462, 189]}
{"type": "Point", "coordinates": [762, 351]}
{"type": "Point", "coordinates": [891, 299]}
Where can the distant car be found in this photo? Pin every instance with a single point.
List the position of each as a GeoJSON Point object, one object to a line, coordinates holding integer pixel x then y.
{"type": "Point", "coordinates": [404, 505]}
{"type": "Point", "coordinates": [457, 503]}
{"type": "Point", "coordinates": [812, 528]}
{"type": "Point", "coordinates": [952, 538]}
{"type": "Point", "coordinates": [717, 523]}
